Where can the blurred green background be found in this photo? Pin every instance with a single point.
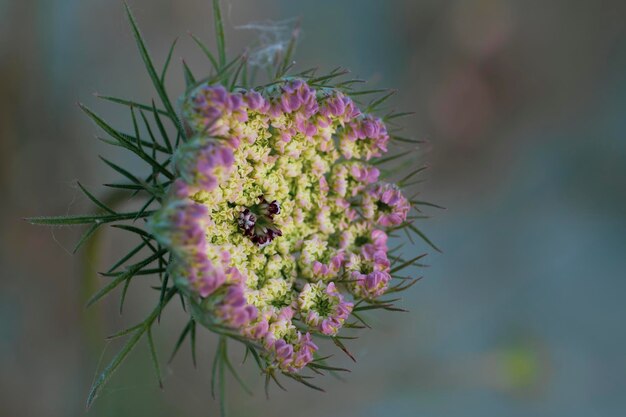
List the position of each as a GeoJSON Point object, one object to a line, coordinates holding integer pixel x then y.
{"type": "Point", "coordinates": [523, 103]}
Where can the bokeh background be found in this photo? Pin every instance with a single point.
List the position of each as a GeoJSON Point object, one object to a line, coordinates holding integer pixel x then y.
{"type": "Point", "coordinates": [523, 104]}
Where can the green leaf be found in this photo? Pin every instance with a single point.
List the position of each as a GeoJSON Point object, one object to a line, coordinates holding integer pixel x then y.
{"type": "Point", "coordinates": [271, 374]}
{"type": "Point", "coordinates": [206, 52]}
{"type": "Point", "coordinates": [84, 219]}
{"type": "Point", "coordinates": [163, 287]}
{"type": "Point", "coordinates": [140, 183]}
{"type": "Point", "coordinates": [251, 349]}
{"type": "Point", "coordinates": [347, 85]}
{"type": "Point", "coordinates": [124, 172]}
{"type": "Point", "coordinates": [121, 138]}
{"type": "Point", "coordinates": [376, 103]}
{"type": "Point", "coordinates": [326, 367]}
{"type": "Point", "coordinates": [193, 344]}
{"type": "Point", "coordinates": [287, 58]}
{"type": "Point", "coordinates": [386, 305]}
{"type": "Point", "coordinates": [159, 123]}
{"type": "Point", "coordinates": [106, 374]}
{"type": "Point", "coordinates": [244, 76]}
{"type": "Point", "coordinates": [222, 378]}
{"type": "Point", "coordinates": [323, 80]}
{"type": "Point", "coordinates": [132, 270]}
{"type": "Point", "coordinates": [124, 141]}
{"type": "Point", "coordinates": [155, 358]}
{"type": "Point", "coordinates": [156, 146]}
{"type": "Point", "coordinates": [303, 381]}
{"type": "Point", "coordinates": [157, 166]}
{"type": "Point", "coordinates": [403, 286]}
{"type": "Point", "coordinates": [219, 33]}
{"type": "Point", "coordinates": [124, 291]}
{"type": "Point", "coordinates": [144, 207]}
{"type": "Point", "coordinates": [391, 116]}
{"type": "Point", "coordinates": [408, 263]}
{"type": "Point", "coordinates": [411, 175]}
{"type": "Point", "coordinates": [321, 358]}
{"type": "Point", "coordinates": [94, 199]}
{"type": "Point", "coordinates": [267, 385]}
{"type": "Point", "coordinates": [131, 103]}
{"type": "Point", "coordinates": [370, 307]}
{"type": "Point", "coordinates": [86, 236]}
{"type": "Point", "coordinates": [125, 187]}
{"type": "Point", "coordinates": [190, 80]}
{"type": "Point", "coordinates": [150, 271]}
{"type": "Point", "coordinates": [127, 256]}
{"type": "Point", "coordinates": [242, 64]}
{"type": "Point", "coordinates": [136, 129]}
{"type": "Point", "coordinates": [124, 332]}
{"type": "Point", "coordinates": [223, 75]}
{"type": "Point", "coordinates": [423, 237]}
{"type": "Point", "coordinates": [134, 229]}
{"type": "Point", "coordinates": [406, 140]}
{"type": "Point", "coordinates": [214, 367]}
{"type": "Point", "coordinates": [143, 142]}
{"type": "Point", "coordinates": [308, 73]}
{"type": "Point", "coordinates": [341, 346]}
{"type": "Point", "coordinates": [366, 92]}
{"type": "Point", "coordinates": [235, 374]}
{"type": "Point", "coordinates": [181, 339]}
{"type": "Point", "coordinates": [425, 203]}
{"type": "Point", "coordinates": [359, 318]}
{"type": "Point", "coordinates": [155, 250]}
{"type": "Point", "coordinates": [103, 378]}
{"type": "Point", "coordinates": [167, 61]}
{"type": "Point", "coordinates": [158, 85]}
{"type": "Point", "coordinates": [389, 158]}
{"type": "Point", "coordinates": [149, 130]}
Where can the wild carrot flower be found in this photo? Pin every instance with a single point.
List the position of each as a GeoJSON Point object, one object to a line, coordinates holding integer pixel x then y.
{"type": "Point", "coordinates": [323, 307]}
{"type": "Point", "coordinates": [386, 205]}
{"type": "Point", "coordinates": [268, 210]}
{"type": "Point", "coordinates": [260, 168]}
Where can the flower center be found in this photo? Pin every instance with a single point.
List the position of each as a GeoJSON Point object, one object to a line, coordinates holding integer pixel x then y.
{"type": "Point", "coordinates": [383, 207]}
{"type": "Point", "coordinates": [323, 306]}
{"type": "Point", "coordinates": [257, 222]}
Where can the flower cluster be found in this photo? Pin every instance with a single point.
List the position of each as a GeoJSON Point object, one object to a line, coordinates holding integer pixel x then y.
{"type": "Point", "coordinates": [276, 214]}
{"type": "Point", "coordinates": [264, 210]}
{"type": "Point", "coordinates": [323, 307]}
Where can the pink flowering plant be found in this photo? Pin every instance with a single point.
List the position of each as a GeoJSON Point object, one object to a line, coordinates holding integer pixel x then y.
{"type": "Point", "coordinates": [269, 211]}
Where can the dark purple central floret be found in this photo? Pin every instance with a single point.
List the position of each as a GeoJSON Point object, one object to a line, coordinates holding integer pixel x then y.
{"type": "Point", "coordinates": [269, 209]}
{"type": "Point", "coordinates": [257, 222]}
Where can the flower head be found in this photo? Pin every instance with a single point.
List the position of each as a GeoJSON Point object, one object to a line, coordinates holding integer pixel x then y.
{"type": "Point", "coordinates": [266, 211]}
{"type": "Point", "coordinates": [203, 165]}
{"type": "Point", "coordinates": [369, 272]}
{"type": "Point", "coordinates": [386, 204]}
{"type": "Point", "coordinates": [324, 307]}
{"type": "Point", "coordinates": [234, 310]}
{"type": "Point", "coordinates": [276, 193]}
